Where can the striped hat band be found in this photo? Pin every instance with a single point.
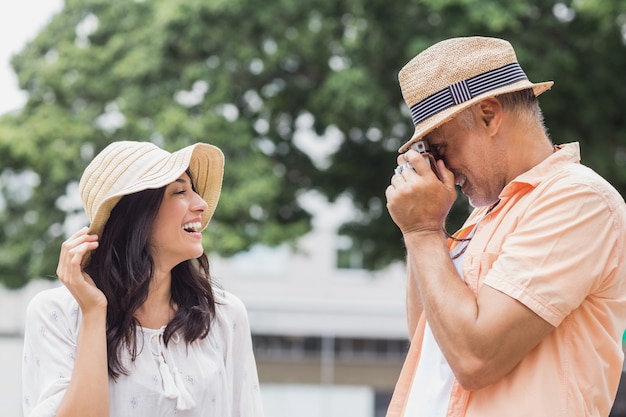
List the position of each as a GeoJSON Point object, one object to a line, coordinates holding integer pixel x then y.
{"type": "Point", "coordinates": [466, 90]}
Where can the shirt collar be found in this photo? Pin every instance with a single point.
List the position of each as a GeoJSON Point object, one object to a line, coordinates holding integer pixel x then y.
{"type": "Point", "coordinates": [563, 155]}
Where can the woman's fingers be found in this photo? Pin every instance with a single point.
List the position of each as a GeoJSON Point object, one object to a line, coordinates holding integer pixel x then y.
{"type": "Point", "coordinates": [71, 274]}
{"type": "Point", "coordinates": [72, 252]}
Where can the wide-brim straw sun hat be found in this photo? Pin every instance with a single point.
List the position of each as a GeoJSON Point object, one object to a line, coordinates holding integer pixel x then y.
{"type": "Point", "coordinates": [127, 167]}
{"type": "Point", "coordinates": [456, 73]}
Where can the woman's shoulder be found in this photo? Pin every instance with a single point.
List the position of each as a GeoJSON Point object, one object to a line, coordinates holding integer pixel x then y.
{"type": "Point", "coordinates": [228, 306]}
{"type": "Point", "coordinates": [227, 300]}
{"type": "Point", "coordinates": [53, 302]}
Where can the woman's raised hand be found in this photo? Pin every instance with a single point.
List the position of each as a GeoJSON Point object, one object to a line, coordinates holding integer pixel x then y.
{"type": "Point", "coordinates": [71, 274]}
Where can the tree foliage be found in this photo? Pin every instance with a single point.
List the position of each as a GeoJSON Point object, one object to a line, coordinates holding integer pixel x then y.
{"type": "Point", "coordinates": [300, 95]}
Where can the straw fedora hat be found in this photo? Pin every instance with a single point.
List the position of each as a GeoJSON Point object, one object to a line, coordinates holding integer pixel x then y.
{"type": "Point", "coordinates": [127, 167]}
{"type": "Point", "coordinates": [453, 74]}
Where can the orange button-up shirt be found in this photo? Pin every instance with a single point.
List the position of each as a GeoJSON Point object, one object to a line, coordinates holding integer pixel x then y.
{"type": "Point", "coordinates": [556, 243]}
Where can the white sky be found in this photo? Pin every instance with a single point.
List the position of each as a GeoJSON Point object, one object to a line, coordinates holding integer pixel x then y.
{"type": "Point", "coordinates": [20, 21]}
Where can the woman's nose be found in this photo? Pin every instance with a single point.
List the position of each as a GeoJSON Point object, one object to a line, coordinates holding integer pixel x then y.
{"type": "Point", "coordinates": [199, 204]}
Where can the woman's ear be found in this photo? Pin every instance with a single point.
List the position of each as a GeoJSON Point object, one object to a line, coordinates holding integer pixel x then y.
{"type": "Point", "coordinates": [490, 114]}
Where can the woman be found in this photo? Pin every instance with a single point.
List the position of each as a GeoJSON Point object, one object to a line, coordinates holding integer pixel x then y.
{"type": "Point", "coordinates": [138, 329]}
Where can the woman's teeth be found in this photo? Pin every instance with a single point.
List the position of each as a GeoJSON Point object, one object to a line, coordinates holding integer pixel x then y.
{"type": "Point", "coordinates": [192, 226]}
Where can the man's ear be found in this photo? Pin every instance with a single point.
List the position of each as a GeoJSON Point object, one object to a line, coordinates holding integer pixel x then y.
{"type": "Point", "coordinates": [490, 114]}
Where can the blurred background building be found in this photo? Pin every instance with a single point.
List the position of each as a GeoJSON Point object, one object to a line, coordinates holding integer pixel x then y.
{"type": "Point", "coordinates": [326, 332]}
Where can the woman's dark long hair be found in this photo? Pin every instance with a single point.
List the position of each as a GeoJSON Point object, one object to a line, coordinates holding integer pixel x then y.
{"type": "Point", "coordinates": [122, 267]}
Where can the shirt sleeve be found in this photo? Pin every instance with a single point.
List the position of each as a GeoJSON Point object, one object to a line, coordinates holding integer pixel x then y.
{"type": "Point", "coordinates": [50, 335]}
{"type": "Point", "coordinates": [240, 361]}
{"type": "Point", "coordinates": [566, 246]}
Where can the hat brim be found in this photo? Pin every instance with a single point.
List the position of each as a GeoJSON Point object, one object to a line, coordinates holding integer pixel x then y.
{"type": "Point", "coordinates": [444, 116]}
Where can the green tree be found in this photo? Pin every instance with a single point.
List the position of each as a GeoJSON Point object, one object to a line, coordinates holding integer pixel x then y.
{"type": "Point", "coordinates": [252, 78]}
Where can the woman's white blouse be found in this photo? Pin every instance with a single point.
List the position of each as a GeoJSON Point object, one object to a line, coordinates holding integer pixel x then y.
{"type": "Point", "coordinates": [215, 376]}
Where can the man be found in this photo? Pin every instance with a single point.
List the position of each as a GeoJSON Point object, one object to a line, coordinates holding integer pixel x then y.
{"type": "Point", "coordinates": [522, 311]}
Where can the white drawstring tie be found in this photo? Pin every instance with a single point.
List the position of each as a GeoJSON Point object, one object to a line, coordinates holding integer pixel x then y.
{"type": "Point", "coordinates": [173, 386]}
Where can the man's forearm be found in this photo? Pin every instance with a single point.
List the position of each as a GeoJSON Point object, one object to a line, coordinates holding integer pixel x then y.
{"type": "Point", "coordinates": [414, 306]}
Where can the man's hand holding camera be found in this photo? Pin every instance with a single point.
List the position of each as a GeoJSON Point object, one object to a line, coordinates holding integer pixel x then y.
{"type": "Point", "coordinates": [417, 199]}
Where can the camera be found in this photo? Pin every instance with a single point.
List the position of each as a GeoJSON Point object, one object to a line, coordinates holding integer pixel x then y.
{"type": "Point", "coordinates": [423, 148]}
